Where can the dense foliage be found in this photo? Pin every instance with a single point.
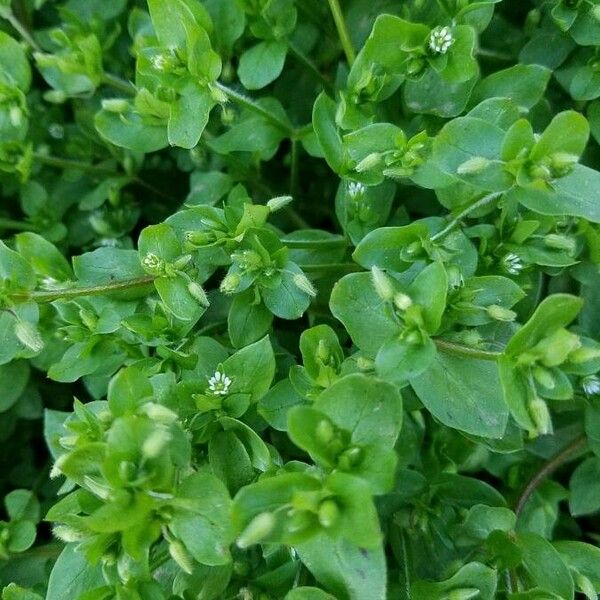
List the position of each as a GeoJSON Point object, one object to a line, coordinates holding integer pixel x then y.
{"type": "Point", "coordinates": [300, 299]}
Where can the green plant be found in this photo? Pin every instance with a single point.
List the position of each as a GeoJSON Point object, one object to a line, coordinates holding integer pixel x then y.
{"type": "Point", "coordinates": [306, 295]}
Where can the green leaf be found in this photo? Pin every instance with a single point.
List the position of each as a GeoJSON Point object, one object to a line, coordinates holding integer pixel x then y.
{"type": "Point", "coordinates": [478, 408]}
{"type": "Point", "coordinates": [177, 21]}
{"type": "Point", "coordinates": [308, 593]}
{"type": "Point", "coordinates": [363, 313]}
{"type": "Point", "coordinates": [262, 64]}
{"type": "Point", "coordinates": [15, 270]}
{"type": "Point", "coordinates": [247, 320]}
{"type": "Point", "coordinates": [43, 256]}
{"type": "Point", "coordinates": [584, 488]}
{"type": "Point", "coordinates": [582, 558]}
{"type": "Point", "coordinates": [160, 240]}
{"type": "Point", "coordinates": [568, 132]}
{"type": "Point", "coordinates": [348, 571]}
{"type": "Point", "coordinates": [127, 389]}
{"type": "Point", "coordinates": [544, 565]}
{"type": "Point", "coordinates": [323, 120]}
{"type": "Point", "coordinates": [189, 115]}
{"type": "Point", "coordinates": [399, 361]}
{"type": "Point", "coordinates": [251, 369]}
{"type": "Point", "coordinates": [204, 524]}
{"type": "Point", "coordinates": [473, 576]}
{"type": "Point", "coordinates": [14, 65]}
{"type": "Point", "coordinates": [428, 290]}
{"type": "Point", "coordinates": [553, 313]}
{"type": "Point", "coordinates": [524, 84]}
{"type": "Point", "coordinates": [287, 300]}
{"type": "Point", "coordinates": [72, 575]}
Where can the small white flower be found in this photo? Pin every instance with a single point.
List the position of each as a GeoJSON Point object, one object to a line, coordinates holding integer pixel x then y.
{"type": "Point", "coordinates": [440, 40]}
{"type": "Point", "coordinates": [219, 384]}
{"type": "Point", "coordinates": [159, 62]}
{"type": "Point", "coordinates": [591, 385]}
{"type": "Point", "coordinates": [355, 189]}
{"type": "Point", "coordinates": [512, 264]}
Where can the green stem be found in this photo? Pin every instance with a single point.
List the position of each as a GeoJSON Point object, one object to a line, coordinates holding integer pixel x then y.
{"type": "Point", "coordinates": [42, 296]}
{"type": "Point", "coordinates": [118, 83]}
{"type": "Point", "coordinates": [294, 174]}
{"type": "Point", "coordinates": [559, 459]}
{"type": "Point", "coordinates": [16, 225]}
{"type": "Point", "coordinates": [495, 55]}
{"type": "Point", "coordinates": [18, 27]}
{"type": "Point", "coordinates": [467, 211]}
{"type": "Point", "coordinates": [316, 244]}
{"type": "Point", "coordinates": [67, 163]}
{"type": "Point", "coordinates": [465, 351]}
{"type": "Point", "coordinates": [333, 267]}
{"type": "Point", "coordinates": [250, 104]}
{"type": "Point", "coordinates": [310, 65]}
{"type": "Point", "coordinates": [340, 23]}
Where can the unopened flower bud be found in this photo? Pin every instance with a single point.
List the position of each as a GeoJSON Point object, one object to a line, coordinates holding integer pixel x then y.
{"type": "Point", "coordinates": [159, 413]}
{"type": "Point", "coordinates": [115, 105]}
{"type": "Point", "coordinates": [302, 282]}
{"type": "Point", "coordinates": [402, 301]}
{"type": "Point", "coordinates": [275, 204]}
{"type": "Point", "coordinates": [155, 443]}
{"type": "Point", "coordinates": [181, 556]}
{"type": "Point", "coordinates": [257, 530]}
{"type": "Point", "coordinates": [560, 242]}
{"type": "Point", "coordinates": [463, 593]}
{"type": "Point", "coordinates": [55, 97]}
{"type": "Point", "coordinates": [328, 513]}
{"type": "Point", "coordinates": [473, 165]}
{"type": "Point", "coordinates": [382, 284]}
{"type": "Point", "coordinates": [543, 377]}
{"type": "Point", "coordinates": [29, 336]}
{"type": "Point", "coordinates": [230, 283]}
{"type": "Point", "coordinates": [324, 431]}
{"type": "Point", "coordinates": [540, 415]}
{"type": "Point", "coordinates": [351, 457]}
{"type": "Point", "coordinates": [369, 162]}
{"type": "Point", "coordinates": [365, 364]}
{"type": "Point", "coordinates": [199, 238]}
{"type": "Point", "coordinates": [499, 313]}
{"type": "Point", "coordinates": [355, 189]}
{"type": "Point", "coordinates": [218, 95]}
{"type": "Point", "coordinates": [198, 293]}
{"type": "Point", "coordinates": [583, 355]}
{"type": "Point", "coordinates": [67, 534]}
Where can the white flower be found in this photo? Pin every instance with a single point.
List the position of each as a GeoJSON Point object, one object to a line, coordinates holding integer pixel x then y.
{"type": "Point", "coordinates": [591, 385]}
{"type": "Point", "coordinates": [355, 189]}
{"type": "Point", "coordinates": [219, 384]}
{"type": "Point", "coordinates": [159, 62]}
{"type": "Point", "coordinates": [440, 40]}
{"type": "Point", "coordinates": [512, 264]}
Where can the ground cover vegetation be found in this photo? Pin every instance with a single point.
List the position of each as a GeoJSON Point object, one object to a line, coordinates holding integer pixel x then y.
{"type": "Point", "coordinates": [299, 299]}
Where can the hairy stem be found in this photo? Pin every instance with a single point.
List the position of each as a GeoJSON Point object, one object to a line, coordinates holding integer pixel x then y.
{"type": "Point", "coordinates": [467, 211]}
{"type": "Point", "coordinates": [67, 163]}
{"type": "Point", "coordinates": [11, 224]}
{"type": "Point", "coordinates": [547, 469]}
{"type": "Point", "coordinates": [22, 31]}
{"type": "Point", "coordinates": [316, 244]}
{"type": "Point", "coordinates": [340, 23]}
{"type": "Point", "coordinates": [466, 351]}
{"type": "Point", "coordinates": [42, 296]}
{"type": "Point", "coordinates": [118, 83]}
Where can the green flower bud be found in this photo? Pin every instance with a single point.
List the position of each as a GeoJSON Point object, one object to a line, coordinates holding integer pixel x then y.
{"type": "Point", "coordinates": [583, 355]}
{"type": "Point", "coordinates": [365, 364]}
{"type": "Point", "coordinates": [155, 443]}
{"type": "Point", "coordinates": [402, 301]}
{"type": "Point", "coordinates": [181, 556]}
{"type": "Point", "coordinates": [302, 282]}
{"type": "Point", "coordinates": [275, 204]}
{"type": "Point", "coordinates": [181, 262]}
{"type": "Point", "coordinates": [299, 520]}
{"type": "Point", "coordinates": [328, 513]}
{"type": "Point", "coordinates": [55, 97]}
{"type": "Point", "coordinates": [198, 293]}
{"type": "Point", "coordinates": [473, 165]}
{"type": "Point", "coordinates": [499, 313]}
{"type": "Point", "coordinates": [115, 105]}
{"type": "Point", "coordinates": [382, 284]}
{"type": "Point", "coordinates": [413, 337]}
{"type": "Point", "coordinates": [556, 348]}
{"type": "Point", "coordinates": [560, 242]}
{"type": "Point", "coordinates": [350, 458]}
{"type": "Point", "coordinates": [68, 534]}
{"type": "Point", "coordinates": [463, 594]}
{"type": "Point", "coordinates": [414, 66]}
{"type": "Point", "coordinates": [29, 336]}
{"type": "Point", "coordinates": [369, 162]}
{"type": "Point", "coordinates": [88, 318]}
{"type": "Point", "coordinates": [540, 415]}
{"type": "Point", "coordinates": [218, 95]}
{"type": "Point", "coordinates": [257, 530]}
{"type": "Point", "coordinates": [127, 470]}
{"type": "Point", "coordinates": [230, 283]}
{"type": "Point", "coordinates": [543, 377]}
{"type": "Point", "coordinates": [325, 431]}
{"type": "Point", "coordinates": [159, 413]}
